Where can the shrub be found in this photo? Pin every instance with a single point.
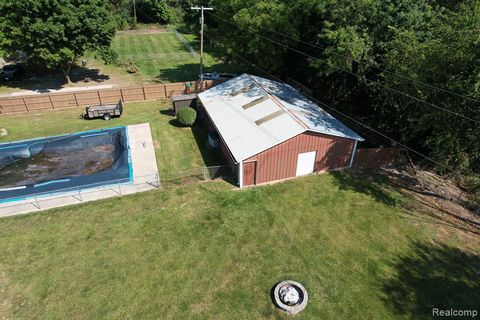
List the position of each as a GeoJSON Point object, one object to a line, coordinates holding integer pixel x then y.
{"type": "Point", "coordinates": [187, 116]}
{"type": "Point", "coordinates": [132, 68]}
{"type": "Point", "coordinates": [109, 56]}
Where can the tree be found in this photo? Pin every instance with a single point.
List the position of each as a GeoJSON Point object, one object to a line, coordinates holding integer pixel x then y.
{"type": "Point", "coordinates": [359, 47]}
{"type": "Point", "coordinates": [158, 11]}
{"type": "Point", "coordinates": [122, 12]}
{"type": "Point", "coordinates": [55, 33]}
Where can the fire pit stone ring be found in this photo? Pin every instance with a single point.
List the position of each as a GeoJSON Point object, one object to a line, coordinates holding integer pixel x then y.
{"type": "Point", "coordinates": [290, 296]}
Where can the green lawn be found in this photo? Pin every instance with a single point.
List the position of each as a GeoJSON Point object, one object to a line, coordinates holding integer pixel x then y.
{"type": "Point", "coordinates": [203, 251]}
{"type": "Point", "coordinates": [161, 56]}
{"type": "Point", "coordinates": [176, 148]}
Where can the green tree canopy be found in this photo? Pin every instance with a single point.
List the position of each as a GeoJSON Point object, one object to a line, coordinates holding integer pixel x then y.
{"type": "Point", "coordinates": [55, 33]}
{"type": "Point", "coordinates": [159, 11]}
{"type": "Point", "coordinates": [359, 47]}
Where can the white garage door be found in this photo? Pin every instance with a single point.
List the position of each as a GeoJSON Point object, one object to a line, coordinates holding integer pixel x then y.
{"type": "Point", "coordinates": [305, 163]}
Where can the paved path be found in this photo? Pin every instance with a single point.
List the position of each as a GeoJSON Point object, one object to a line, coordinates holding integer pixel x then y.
{"type": "Point", "coordinates": [144, 167]}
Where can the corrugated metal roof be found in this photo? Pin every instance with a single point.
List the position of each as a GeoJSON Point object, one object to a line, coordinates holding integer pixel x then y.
{"type": "Point", "coordinates": [253, 114]}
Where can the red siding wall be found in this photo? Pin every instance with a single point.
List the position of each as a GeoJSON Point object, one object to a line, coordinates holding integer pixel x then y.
{"type": "Point", "coordinates": [280, 162]}
{"type": "Point", "coordinates": [204, 118]}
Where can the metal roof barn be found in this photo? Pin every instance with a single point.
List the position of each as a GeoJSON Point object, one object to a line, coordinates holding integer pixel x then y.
{"type": "Point", "coordinates": [253, 115]}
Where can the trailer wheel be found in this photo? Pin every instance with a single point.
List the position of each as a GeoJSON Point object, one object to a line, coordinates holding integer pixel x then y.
{"type": "Point", "coordinates": [107, 116]}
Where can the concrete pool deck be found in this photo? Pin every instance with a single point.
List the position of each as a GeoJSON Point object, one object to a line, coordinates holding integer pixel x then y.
{"type": "Point", "coordinates": [144, 172]}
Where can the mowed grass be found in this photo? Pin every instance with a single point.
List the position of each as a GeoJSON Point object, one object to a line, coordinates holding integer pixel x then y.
{"type": "Point", "coordinates": [204, 251]}
{"type": "Point", "coordinates": [176, 148]}
{"type": "Point", "coordinates": [160, 56]}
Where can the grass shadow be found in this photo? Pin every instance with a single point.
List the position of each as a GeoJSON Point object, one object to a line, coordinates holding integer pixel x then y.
{"type": "Point", "coordinates": [82, 74]}
{"type": "Point", "coordinates": [210, 157]}
{"type": "Point", "coordinates": [190, 71]}
{"type": "Point", "coordinates": [167, 112]}
{"type": "Point", "coordinates": [372, 185]}
{"type": "Point", "coordinates": [46, 82]}
{"type": "Point", "coordinates": [432, 275]}
{"type": "Point", "coordinates": [175, 123]}
{"type": "Point", "coordinates": [397, 190]}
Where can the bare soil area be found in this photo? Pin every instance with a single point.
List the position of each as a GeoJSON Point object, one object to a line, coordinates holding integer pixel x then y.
{"type": "Point", "coordinates": [435, 197]}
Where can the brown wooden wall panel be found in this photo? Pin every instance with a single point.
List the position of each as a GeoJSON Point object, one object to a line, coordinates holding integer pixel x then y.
{"type": "Point", "coordinates": [38, 103]}
{"type": "Point", "coordinates": [132, 94]}
{"type": "Point", "coordinates": [64, 100]}
{"type": "Point", "coordinates": [374, 157]}
{"type": "Point", "coordinates": [110, 96]}
{"type": "Point", "coordinates": [154, 92]}
{"type": "Point", "coordinates": [87, 98]}
{"type": "Point", "coordinates": [280, 162]}
{"type": "Point", "coordinates": [12, 105]}
{"type": "Point", "coordinates": [175, 89]}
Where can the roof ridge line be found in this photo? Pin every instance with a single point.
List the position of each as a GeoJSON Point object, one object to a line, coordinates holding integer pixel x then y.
{"type": "Point", "coordinates": [274, 99]}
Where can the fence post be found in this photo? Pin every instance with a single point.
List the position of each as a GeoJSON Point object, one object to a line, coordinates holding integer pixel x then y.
{"type": "Point", "coordinates": [121, 95]}
{"type": "Point", "coordinates": [25, 103]}
{"type": "Point", "coordinates": [165, 90]}
{"type": "Point", "coordinates": [144, 96]}
{"type": "Point", "coordinates": [76, 100]}
{"type": "Point", "coordinates": [51, 102]}
{"type": "Point", "coordinates": [99, 97]}
{"type": "Point", "coordinates": [157, 179]}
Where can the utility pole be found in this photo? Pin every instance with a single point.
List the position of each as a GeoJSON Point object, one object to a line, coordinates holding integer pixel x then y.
{"type": "Point", "coordinates": [202, 8]}
{"type": "Point", "coordinates": [134, 12]}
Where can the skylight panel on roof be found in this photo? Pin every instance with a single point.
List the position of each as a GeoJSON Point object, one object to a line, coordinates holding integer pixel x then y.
{"type": "Point", "coordinates": [269, 117]}
{"type": "Point", "coordinates": [255, 102]}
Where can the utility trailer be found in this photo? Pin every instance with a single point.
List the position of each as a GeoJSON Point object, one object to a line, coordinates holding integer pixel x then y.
{"type": "Point", "coordinates": [106, 111]}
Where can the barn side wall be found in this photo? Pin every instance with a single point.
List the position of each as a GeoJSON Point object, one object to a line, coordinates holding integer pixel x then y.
{"type": "Point", "coordinates": [207, 123]}
{"type": "Point", "coordinates": [280, 162]}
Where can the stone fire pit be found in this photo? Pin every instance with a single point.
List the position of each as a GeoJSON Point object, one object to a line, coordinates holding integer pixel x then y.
{"type": "Point", "coordinates": [290, 296]}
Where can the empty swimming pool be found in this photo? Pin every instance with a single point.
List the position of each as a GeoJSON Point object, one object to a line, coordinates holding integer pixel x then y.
{"type": "Point", "coordinates": [65, 163]}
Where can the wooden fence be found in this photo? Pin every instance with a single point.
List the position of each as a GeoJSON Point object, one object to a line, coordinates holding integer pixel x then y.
{"type": "Point", "coordinates": [54, 101]}
{"type": "Point", "coordinates": [374, 157]}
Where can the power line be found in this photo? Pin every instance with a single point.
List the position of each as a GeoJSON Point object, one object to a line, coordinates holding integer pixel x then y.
{"type": "Point", "coordinates": [373, 66]}
{"type": "Point", "coordinates": [343, 114]}
{"type": "Point", "coordinates": [355, 74]}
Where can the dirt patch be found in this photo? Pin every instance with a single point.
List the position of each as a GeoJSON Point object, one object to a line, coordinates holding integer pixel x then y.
{"type": "Point", "coordinates": [3, 132]}
{"type": "Point", "coordinates": [10, 299]}
{"type": "Point", "coordinates": [435, 197]}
